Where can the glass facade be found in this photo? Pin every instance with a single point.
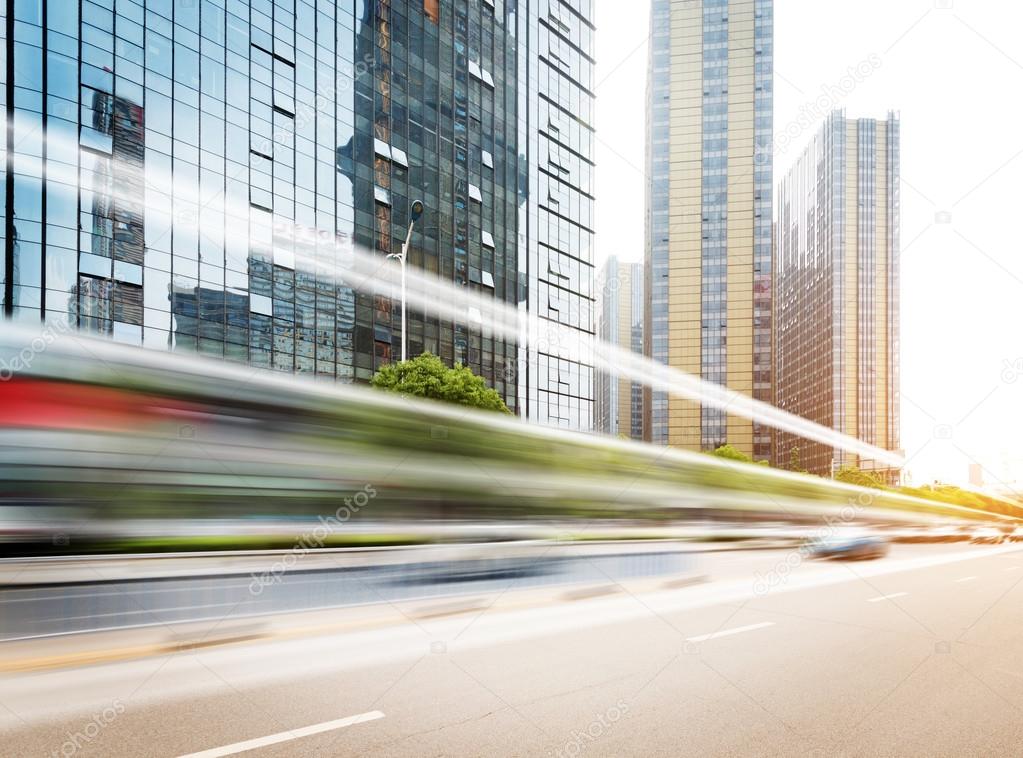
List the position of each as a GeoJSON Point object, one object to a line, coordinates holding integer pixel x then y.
{"type": "Point", "coordinates": [619, 400]}
{"type": "Point", "coordinates": [714, 215]}
{"type": "Point", "coordinates": [555, 223]}
{"type": "Point", "coordinates": [763, 213]}
{"type": "Point", "coordinates": [655, 269]}
{"type": "Point", "coordinates": [837, 290]}
{"type": "Point", "coordinates": [709, 209]}
{"type": "Point", "coordinates": [207, 167]}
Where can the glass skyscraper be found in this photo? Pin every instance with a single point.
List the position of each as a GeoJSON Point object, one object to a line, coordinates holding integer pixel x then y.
{"type": "Point", "coordinates": [192, 175]}
{"type": "Point", "coordinates": [708, 235]}
{"type": "Point", "coordinates": [619, 400]}
{"type": "Point", "coordinates": [555, 210]}
{"type": "Point", "coordinates": [837, 291]}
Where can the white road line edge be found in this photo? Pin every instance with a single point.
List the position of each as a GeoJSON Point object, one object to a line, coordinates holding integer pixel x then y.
{"type": "Point", "coordinates": [728, 632]}
{"type": "Point", "coordinates": [879, 598]}
{"type": "Point", "coordinates": [966, 579]}
{"type": "Point", "coordinates": [293, 734]}
{"type": "Point", "coordinates": [1012, 568]}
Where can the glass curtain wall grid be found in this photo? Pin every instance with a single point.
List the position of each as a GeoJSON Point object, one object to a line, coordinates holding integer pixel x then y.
{"type": "Point", "coordinates": [655, 269]}
{"type": "Point", "coordinates": [709, 213]}
{"type": "Point", "coordinates": [555, 213]}
{"type": "Point", "coordinates": [619, 401]}
{"type": "Point", "coordinates": [207, 168]}
{"type": "Point", "coordinates": [837, 290]}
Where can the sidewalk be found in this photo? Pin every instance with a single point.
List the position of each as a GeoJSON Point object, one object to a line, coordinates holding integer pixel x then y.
{"type": "Point", "coordinates": [93, 648]}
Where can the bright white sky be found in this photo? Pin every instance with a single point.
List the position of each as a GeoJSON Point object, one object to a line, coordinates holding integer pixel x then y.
{"type": "Point", "coordinates": [954, 71]}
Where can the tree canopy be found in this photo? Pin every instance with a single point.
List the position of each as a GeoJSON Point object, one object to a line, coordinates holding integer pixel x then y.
{"type": "Point", "coordinates": [732, 453]}
{"type": "Point", "coordinates": [427, 376]}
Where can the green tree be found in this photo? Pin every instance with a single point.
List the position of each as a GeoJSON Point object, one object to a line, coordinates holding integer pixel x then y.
{"type": "Point", "coordinates": [852, 475]}
{"type": "Point", "coordinates": [427, 376]}
{"type": "Point", "coordinates": [732, 453]}
{"type": "Point", "coordinates": [795, 461]}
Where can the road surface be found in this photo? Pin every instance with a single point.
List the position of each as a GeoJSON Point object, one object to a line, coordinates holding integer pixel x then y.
{"type": "Point", "coordinates": [918, 654]}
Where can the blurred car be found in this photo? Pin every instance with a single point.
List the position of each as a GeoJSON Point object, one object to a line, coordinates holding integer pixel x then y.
{"type": "Point", "coordinates": [849, 547]}
{"type": "Point", "coordinates": [987, 535]}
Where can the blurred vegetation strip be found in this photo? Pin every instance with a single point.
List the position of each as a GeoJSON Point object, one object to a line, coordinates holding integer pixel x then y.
{"type": "Point", "coordinates": [208, 543]}
{"type": "Point", "coordinates": [120, 436]}
{"type": "Point", "coordinates": [947, 494]}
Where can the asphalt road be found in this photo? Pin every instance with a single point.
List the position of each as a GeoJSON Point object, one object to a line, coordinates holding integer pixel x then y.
{"type": "Point", "coordinates": [918, 654]}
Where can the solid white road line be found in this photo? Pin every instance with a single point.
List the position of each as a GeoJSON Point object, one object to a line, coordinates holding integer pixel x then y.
{"type": "Point", "coordinates": [966, 579]}
{"type": "Point", "coordinates": [293, 734]}
{"type": "Point", "coordinates": [879, 598]}
{"type": "Point", "coordinates": [1012, 568]}
{"type": "Point", "coordinates": [728, 632]}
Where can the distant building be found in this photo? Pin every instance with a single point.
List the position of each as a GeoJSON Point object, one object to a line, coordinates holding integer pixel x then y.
{"type": "Point", "coordinates": [619, 400]}
{"type": "Point", "coordinates": [836, 291]}
{"type": "Point", "coordinates": [709, 208]}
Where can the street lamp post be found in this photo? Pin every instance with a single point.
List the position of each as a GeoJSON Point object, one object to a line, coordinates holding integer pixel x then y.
{"type": "Point", "coordinates": [414, 215]}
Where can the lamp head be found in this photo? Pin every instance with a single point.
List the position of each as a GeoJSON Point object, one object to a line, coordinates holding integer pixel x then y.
{"type": "Point", "coordinates": [417, 210]}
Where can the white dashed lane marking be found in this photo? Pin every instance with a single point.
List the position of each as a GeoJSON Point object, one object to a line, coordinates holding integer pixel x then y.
{"type": "Point", "coordinates": [293, 734]}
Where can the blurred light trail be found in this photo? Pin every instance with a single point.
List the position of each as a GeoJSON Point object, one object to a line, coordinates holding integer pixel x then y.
{"type": "Point", "coordinates": [366, 274]}
{"type": "Point", "coordinates": [180, 436]}
{"type": "Point", "coordinates": [372, 274]}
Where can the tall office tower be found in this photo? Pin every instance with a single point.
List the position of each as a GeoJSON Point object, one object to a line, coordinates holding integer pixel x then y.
{"type": "Point", "coordinates": [836, 278]}
{"type": "Point", "coordinates": [619, 400]}
{"type": "Point", "coordinates": [207, 168]}
{"type": "Point", "coordinates": [709, 207]}
{"type": "Point", "coordinates": [555, 211]}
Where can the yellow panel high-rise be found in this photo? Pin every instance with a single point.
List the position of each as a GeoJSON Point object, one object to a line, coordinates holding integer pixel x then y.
{"type": "Point", "coordinates": [708, 226]}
